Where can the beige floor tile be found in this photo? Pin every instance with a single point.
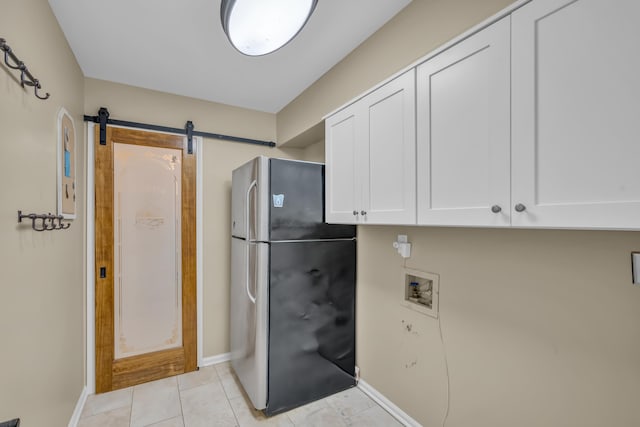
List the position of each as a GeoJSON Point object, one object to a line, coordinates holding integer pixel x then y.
{"type": "Point", "coordinates": [298, 415]}
{"type": "Point", "coordinates": [323, 417]}
{"type": "Point", "coordinates": [207, 406]}
{"type": "Point", "coordinates": [114, 418]}
{"type": "Point", "coordinates": [248, 416]}
{"type": "Point", "coordinates": [232, 386]}
{"type": "Point", "coordinates": [201, 399]}
{"type": "Point", "coordinates": [172, 422]}
{"type": "Point", "coordinates": [104, 402]}
{"type": "Point", "coordinates": [373, 417]}
{"type": "Point", "coordinates": [350, 402]}
{"type": "Point", "coordinates": [223, 368]}
{"type": "Point", "coordinates": [155, 401]}
{"type": "Point", "coordinates": [197, 378]}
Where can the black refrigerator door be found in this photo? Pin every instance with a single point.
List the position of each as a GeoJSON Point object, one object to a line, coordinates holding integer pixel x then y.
{"type": "Point", "coordinates": [297, 203]}
{"type": "Point", "coordinates": [311, 322]}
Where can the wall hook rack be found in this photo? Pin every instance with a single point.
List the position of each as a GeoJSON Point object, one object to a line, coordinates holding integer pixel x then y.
{"type": "Point", "coordinates": [44, 222]}
{"type": "Point", "coordinates": [26, 78]}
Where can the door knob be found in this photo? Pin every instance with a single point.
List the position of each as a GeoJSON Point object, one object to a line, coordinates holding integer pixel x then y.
{"type": "Point", "coordinates": [355, 213]}
{"type": "Point", "coordinates": [496, 209]}
{"type": "Point", "coordinates": [363, 212]}
{"type": "Point", "coordinates": [520, 207]}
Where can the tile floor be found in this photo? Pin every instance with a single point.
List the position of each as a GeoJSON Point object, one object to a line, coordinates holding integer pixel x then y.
{"type": "Point", "coordinates": [212, 396]}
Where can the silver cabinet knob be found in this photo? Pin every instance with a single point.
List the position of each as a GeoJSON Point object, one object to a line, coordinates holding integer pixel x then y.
{"type": "Point", "coordinates": [496, 209]}
{"type": "Point", "coordinates": [363, 212]}
{"type": "Point", "coordinates": [520, 207]}
{"type": "Point", "coordinates": [355, 213]}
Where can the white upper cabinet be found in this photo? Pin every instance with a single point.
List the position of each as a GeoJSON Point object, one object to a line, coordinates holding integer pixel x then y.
{"type": "Point", "coordinates": [463, 123]}
{"type": "Point", "coordinates": [529, 122]}
{"type": "Point", "coordinates": [389, 175]}
{"type": "Point", "coordinates": [342, 192]}
{"type": "Point", "coordinates": [370, 157]}
{"type": "Point", "coordinates": [576, 99]}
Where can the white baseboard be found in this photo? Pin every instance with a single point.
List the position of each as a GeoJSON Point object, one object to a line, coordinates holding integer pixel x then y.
{"type": "Point", "coordinates": [214, 360]}
{"type": "Point", "coordinates": [387, 405]}
{"type": "Point", "coordinates": [75, 417]}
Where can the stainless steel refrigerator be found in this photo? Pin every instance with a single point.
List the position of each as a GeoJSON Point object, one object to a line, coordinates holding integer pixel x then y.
{"type": "Point", "coordinates": [292, 287]}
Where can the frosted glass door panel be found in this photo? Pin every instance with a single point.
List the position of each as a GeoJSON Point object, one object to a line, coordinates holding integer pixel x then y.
{"type": "Point", "coordinates": [148, 289]}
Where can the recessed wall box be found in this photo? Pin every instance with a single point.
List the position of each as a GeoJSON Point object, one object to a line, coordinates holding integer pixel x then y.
{"type": "Point", "coordinates": [635, 267]}
{"type": "Point", "coordinates": [420, 291]}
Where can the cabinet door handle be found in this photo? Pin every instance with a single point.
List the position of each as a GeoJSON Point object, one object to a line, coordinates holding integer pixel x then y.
{"type": "Point", "coordinates": [355, 213]}
{"type": "Point", "coordinates": [520, 207]}
{"type": "Point", "coordinates": [363, 212]}
{"type": "Point", "coordinates": [496, 209]}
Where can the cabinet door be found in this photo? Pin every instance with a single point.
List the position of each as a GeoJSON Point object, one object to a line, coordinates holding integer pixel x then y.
{"type": "Point", "coordinates": [388, 154]}
{"type": "Point", "coordinates": [341, 198]}
{"type": "Point", "coordinates": [576, 98]}
{"type": "Point", "coordinates": [464, 132]}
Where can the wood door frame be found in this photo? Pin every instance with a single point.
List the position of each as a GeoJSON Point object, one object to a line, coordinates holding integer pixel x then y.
{"type": "Point", "coordinates": [90, 360]}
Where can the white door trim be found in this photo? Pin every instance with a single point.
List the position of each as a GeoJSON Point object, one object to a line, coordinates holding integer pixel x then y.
{"type": "Point", "coordinates": [90, 325]}
{"type": "Point", "coordinates": [90, 376]}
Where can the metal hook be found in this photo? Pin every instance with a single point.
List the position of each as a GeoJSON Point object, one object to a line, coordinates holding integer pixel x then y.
{"type": "Point", "coordinates": [51, 219]}
{"type": "Point", "coordinates": [36, 88]}
{"type": "Point", "coordinates": [35, 217]}
{"type": "Point", "coordinates": [55, 222]}
{"type": "Point", "coordinates": [63, 226]}
{"type": "Point", "coordinates": [26, 78]}
{"type": "Point", "coordinates": [24, 74]}
{"type": "Point", "coordinates": [7, 54]}
{"type": "Point", "coordinates": [48, 221]}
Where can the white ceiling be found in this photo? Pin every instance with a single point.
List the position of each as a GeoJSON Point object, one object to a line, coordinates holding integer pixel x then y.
{"type": "Point", "coordinates": [179, 47]}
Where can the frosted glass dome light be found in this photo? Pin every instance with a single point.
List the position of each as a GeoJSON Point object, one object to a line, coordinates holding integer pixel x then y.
{"type": "Point", "coordinates": [258, 27]}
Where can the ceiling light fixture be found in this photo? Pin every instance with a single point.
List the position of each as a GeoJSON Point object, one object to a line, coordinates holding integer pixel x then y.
{"type": "Point", "coordinates": [258, 27]}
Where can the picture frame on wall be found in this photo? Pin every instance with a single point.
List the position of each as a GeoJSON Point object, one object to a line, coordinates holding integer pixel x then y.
{"type": "Point", "coordinates": [66, 169]}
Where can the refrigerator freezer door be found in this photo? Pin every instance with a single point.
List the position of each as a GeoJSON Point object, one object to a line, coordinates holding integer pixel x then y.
{"type": "Point", "coordinates": [249, 200]}
{"type": "Point", "coordinates": [312, 325]}
{"type": "Point", "coordinates": [297, 203]}
{"type": "Point", "coordinates": [249, 328]}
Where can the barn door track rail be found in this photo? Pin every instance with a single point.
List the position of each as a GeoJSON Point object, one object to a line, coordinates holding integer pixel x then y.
{"type": "Point", "coordinates": [103, 120]}
{"type": "Point", "coordinates": [26, 78]}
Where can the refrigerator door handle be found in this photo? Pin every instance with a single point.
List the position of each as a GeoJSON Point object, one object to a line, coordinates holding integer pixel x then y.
{"type": "Point", "coordinates": [252, 186]}
{"type": "Point", "coordinates": [248, 275]}
{"type": "Point", "coordinates": [251, 297]}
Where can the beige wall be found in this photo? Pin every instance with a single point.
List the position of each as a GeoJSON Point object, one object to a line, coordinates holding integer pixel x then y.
{"type": "Point", "coordinates": [314, 152]}
{"type": "Point", "coordinates": [41, 291]}
{"type": "Point", "coordinates": [540, 327]}
{"type": "Point", "coordinates": [415, 31]}
{"type": "Point", "coordinates": [219, 159]}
